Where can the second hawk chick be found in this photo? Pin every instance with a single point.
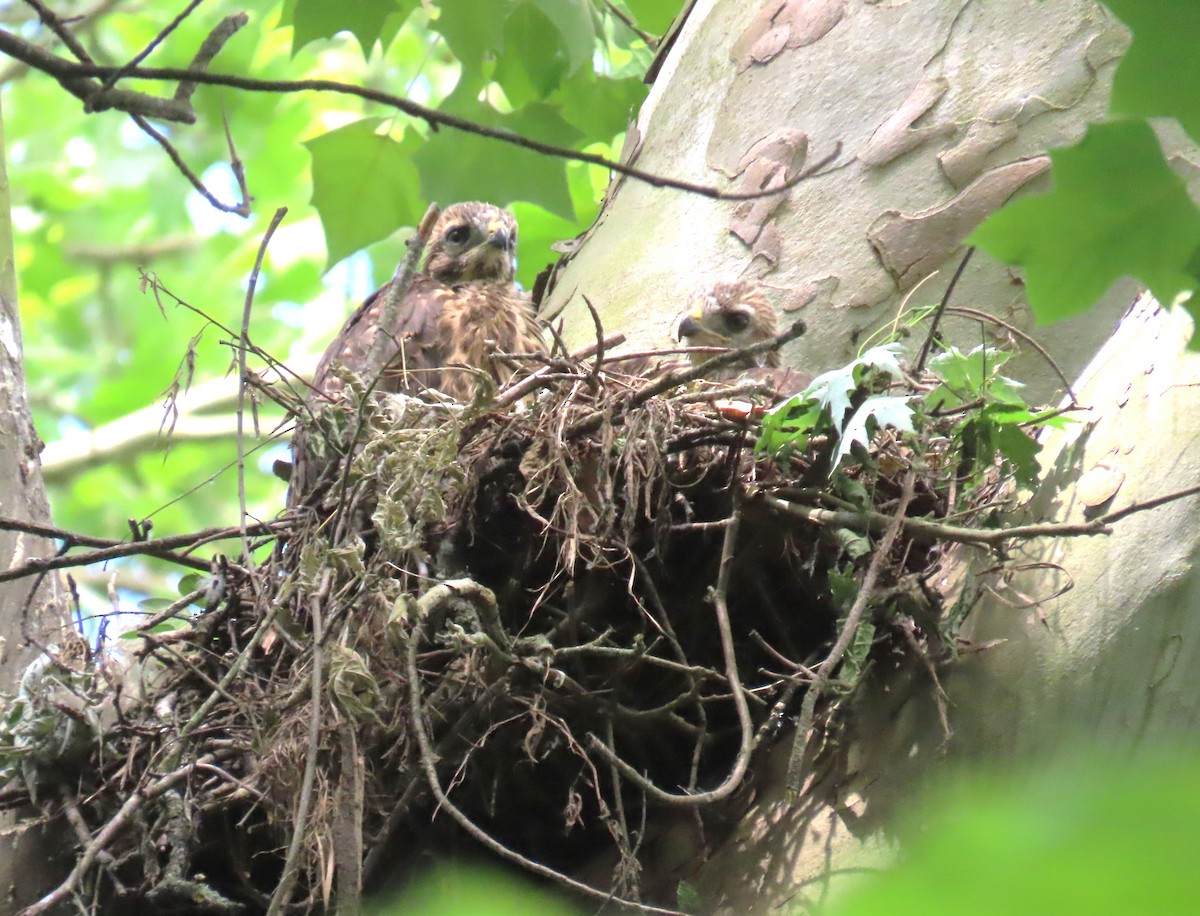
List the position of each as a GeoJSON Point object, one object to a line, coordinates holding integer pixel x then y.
{"type": "Point", "coordinates": [735, 314]}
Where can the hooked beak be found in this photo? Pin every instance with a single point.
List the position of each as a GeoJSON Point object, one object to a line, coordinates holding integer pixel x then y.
{"type": "Point", "coordinates": [498, 237]}
{"type": "Point", "coordinates": [688, 327]}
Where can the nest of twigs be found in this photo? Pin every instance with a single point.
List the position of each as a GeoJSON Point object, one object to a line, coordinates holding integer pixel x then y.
{"type": "Point", "coordinates": [524, 625]}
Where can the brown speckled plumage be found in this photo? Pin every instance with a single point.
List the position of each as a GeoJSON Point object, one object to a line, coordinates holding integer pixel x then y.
{"type": "Point", "coordinates": [730, 314]}
{"type": "Point", "coordinates": [464, 298]}
{"type": "Point", "coordinates": [460, 309]}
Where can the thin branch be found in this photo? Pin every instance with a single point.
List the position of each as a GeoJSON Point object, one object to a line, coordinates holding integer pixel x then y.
{"type": "Point", "coordinates": [926, 531]}
{"type": "Point", "coordinates": [248, 557]}
{"type": "Point", "coordinates": [109, 832]}
{"type": "Point", "coordinates": [51, 21]}
{"type": "Point", "coordinates": [1017, 332]}
{"type": "Point", "coordinates": [157, 40]}
{"type": "Point", "coordinates": [599, 326]}
{"type": "Point", "coordinates": [242, 208]}
{"type": "Point", "coordinates": [853, 617]}
{"type": "Point", "coordinates": [429, 767]}
{"type": "Point", "coordinates": [592, 421]}
{"type": "Point", "coordinates": [95, 97]}
{"type": "Point", "coordinates": [291, 867]}
{"type": "Point", "coordinates": [738, 771]}
{"type": "Point", "coordinates": [650, 40]}
{"type": "Point", "coordinates": [77, 79]}
{"type": "Point", "coordinates": [517, 389]}
{"type": "Point", "coordinates": [397, 290]}
{"type": "Point", "coordinates": [927, 346]}
{"type": "Point", "coordinates": [1113, 517]}
{"type": "Point", "coordinates": [162, 548]}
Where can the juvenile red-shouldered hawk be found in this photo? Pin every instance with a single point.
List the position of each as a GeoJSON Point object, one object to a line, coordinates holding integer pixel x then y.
{"type": "Point", "coordinates": [460, 309]}
{"type": "Point", "coordinates": [730, 313]}
{"type": "Point", "coordinates": [737, 313]}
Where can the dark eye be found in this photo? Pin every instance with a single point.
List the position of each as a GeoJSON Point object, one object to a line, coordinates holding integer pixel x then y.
{"type": "Point", "coordinates": [737, 321]}
{"type": "Point", "coordinates": [458, 234]}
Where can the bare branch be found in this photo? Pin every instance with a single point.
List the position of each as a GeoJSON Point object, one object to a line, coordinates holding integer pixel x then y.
{"type": "Point", "coordinates": [109, 833]}
{"type": "Point", "coordinates": [247, 555]}
{"type": "Point", "coordinates": [162, 548]}
{"type": "Point", "coordinates": [78, 78]}
{"type": "Point", "coordinates": [825, 669]}
{"type": "Point", "coordinates": [397, 290]}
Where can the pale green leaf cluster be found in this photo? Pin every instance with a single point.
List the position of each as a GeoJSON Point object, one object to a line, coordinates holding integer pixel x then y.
{"type": "Point", "coordinates": [833, 403]}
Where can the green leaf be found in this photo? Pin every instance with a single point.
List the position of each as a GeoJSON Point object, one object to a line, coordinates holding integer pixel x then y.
{"type": "Point", "coordinates": [533, 44]}
{"type": "Point", "coordinates": [789, 425]}
{"type": "Point", "coordinates": [163, 626]}
{"type": "Point", "coordinates": [364, 185]}
{"type": "Point", "coordinates": [462, 891]}
{"type": "Point", "coordinates": [599, 106]}
{"type": "Point", "coordinates": [154, 605]}
{"type": "Point", "coordinates": [528, 71]}
{"type": "Point", "coordinates": [834, 389]}
{"type": "Point", "coordinates": [474, 31]}
{"type": "Point", "coordinates": [576, 25]}
{"type": "Point", "coordinates": [1084, 834]}
{"type": "Point", "coordinates": [857, 653]}
{"type": "Point", "coordinates": [854, 544]}
{"type": "Point", "coordinates": [366, 20]}
{"type": "Point", "coordinates": [1158, 75]}
{"type": "Point", "coordinates": [454, 165]}
{"type": "Point", "coordinates": [688, 897]}
{"type": "Point", "coordinates": [968, 376]}
{"type": "Point", "coordinates": [995, 430]}
{"type": "Point", "coordinates": [1116, 209]}
{"type": "Point", "coordinates": [654, 16]}
{"type": "Point", "coordinates": [874, 413]}
{"type": "Point", "coordinates": [1019, 450]}
{"type": "Point", "coordinates": [843, 589]}
{"type": "Point", "coordinates": [190, 582]}
{"type": "Point", "coordinates": [545, 42]}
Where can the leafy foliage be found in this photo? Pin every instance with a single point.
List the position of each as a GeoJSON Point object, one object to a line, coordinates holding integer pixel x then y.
{"type": "Point", "coordinates": [95, 200]}
{"type": "Point", "coordinates": [1080, 835]}
{"type": "Point", "coordinates": [826, 402]}
{"type": "Point", "coordinates": [367, 20]}
{"type": "Point", "coordinates": [1157, 76]}
{"type": "Point", "coordinates": [851, 405]}
{"type": "Point", "coordinates": [1116, 209]}
{"type": "Point", "coordinates": [995, 426]}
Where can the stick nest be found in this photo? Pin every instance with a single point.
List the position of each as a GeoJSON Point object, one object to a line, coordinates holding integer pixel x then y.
{"type": "Point", "coordinates": [531, 623]}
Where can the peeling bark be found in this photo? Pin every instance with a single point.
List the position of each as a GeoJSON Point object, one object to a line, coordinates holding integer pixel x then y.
{"type": "Point", "coordinates": [932, 102]}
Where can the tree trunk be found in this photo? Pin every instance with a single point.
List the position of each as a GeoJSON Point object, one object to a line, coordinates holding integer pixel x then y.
{"type": "Point", "coordinates": [934, 114]}
{"type": "Point", "coordinates": [35, 606]}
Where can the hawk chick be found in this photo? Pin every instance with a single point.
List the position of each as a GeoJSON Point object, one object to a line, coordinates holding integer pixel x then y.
{"type": "Point", "coordinates": [461, 308]}
{"type": "Point", "coordinates": [730, 314]}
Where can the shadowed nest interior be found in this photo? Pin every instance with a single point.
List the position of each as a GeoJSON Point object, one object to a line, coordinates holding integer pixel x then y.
{"type": "Point", "coordinates": [525, 625]}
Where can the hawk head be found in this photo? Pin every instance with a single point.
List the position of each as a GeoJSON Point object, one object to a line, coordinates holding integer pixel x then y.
{"type": "Point", "coordinates": [730, 314]}
{"type": "Point", "coordinates": [472, 241]}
